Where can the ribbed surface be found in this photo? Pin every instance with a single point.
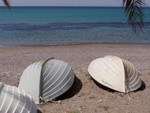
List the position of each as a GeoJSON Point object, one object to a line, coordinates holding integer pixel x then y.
{"type": "Point", "coordinates": [115, 73]}
{"type": "Point", "coordinates": [47, 80]}
{"type": "Point", "coordinates": [30, 80]}
{"type": "Point", "coordinates": [108, 71]}
{"type": "Point", "coordinates": [1, 86]}
{"type": "Point", "coordinates": [133, 81]}
{"type": "Point", "coordinates": [57, 78]}
{"type": "Point", "coordinates": [15, 100]}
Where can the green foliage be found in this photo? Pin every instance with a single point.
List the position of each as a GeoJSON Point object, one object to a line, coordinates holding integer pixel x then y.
{"type": "Point", "coordinates": [133, 9]}
{"type": "Point", "coordinates": [92, 97]}
{"type": "Point", "coordinates": [104, 107]}
{"type": "Point", "coordinates": [6, 2]}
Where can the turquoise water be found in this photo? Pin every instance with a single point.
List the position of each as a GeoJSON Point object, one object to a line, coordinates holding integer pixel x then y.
{"type": "Point", "coordinates": [60, 25]}
{"type": "Point", "coordinates": [61, 14]}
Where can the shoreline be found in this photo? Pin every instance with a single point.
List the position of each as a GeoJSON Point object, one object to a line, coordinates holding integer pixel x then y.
{"type": "Point", "coordinates": [74, 44]}
{"type": "Point", "coordinates": [73, 53]}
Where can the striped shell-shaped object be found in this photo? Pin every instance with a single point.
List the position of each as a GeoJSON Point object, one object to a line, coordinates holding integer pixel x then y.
{"type": "Point", "coordinates": [115, 73]}
{"type": "Point", "coordinates": [15, 100]}
{"type": "Point", "coordinates": [47, 80]}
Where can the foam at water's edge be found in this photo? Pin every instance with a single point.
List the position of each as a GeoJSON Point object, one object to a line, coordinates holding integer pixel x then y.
{"type": "Point", "coordinates": [1, 46]}
{"type": "Point", "coordinates": [75, 44]}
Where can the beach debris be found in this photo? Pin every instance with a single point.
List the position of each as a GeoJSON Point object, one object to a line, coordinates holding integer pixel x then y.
{"type": "Point", "coordinates": [15, 100]}
{"type": "Point", "coordinates": [47, 80]}
{"type": "Point", "coordinates": [115, 73]}
{"type": "Point", "coordinates": [59, 101]}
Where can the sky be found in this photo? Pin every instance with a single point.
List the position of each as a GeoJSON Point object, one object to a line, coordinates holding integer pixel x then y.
{"type": "Point", "coordinates": [68, 2]}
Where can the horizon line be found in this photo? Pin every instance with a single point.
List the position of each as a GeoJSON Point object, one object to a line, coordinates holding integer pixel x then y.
{"type": "Point", "coordinates": [77, 6]}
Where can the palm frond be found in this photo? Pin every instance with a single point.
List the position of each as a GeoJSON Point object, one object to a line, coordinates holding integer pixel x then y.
{"type": "Point", "coordinates": [133, 9]}
{"type": "Point", "coordinates": [6, 2]}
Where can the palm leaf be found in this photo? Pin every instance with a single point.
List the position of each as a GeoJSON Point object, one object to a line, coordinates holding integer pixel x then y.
{"type": "Point", "coordinates": [6, 2]}
{"type": "Point", "coordinates": [133, 9]}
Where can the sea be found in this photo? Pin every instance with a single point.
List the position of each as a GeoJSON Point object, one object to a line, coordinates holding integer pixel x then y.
{"type": "Point", "coordinates": [69, 25]}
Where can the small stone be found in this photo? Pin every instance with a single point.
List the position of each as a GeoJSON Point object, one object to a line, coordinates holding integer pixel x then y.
{"type": "Point", "coordinates": [78, 95]}
{"type": "Point", "coordinates": [100, 100]}
{"type": "Point", "coordinates": [59, 102]}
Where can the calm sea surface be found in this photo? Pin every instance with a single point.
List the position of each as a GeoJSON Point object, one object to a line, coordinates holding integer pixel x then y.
{"type": "Point", "coordinates": [61, 25]}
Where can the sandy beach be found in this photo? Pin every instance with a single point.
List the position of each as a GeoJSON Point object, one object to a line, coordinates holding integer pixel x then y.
{"type": "Point", "coordinates": [85, 96]}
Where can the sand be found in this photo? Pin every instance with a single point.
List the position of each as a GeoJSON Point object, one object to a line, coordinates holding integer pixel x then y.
{"type": "Point", "coordinates": [85, 96]}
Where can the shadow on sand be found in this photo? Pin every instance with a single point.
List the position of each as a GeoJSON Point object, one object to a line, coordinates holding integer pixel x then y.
{"type": "Point", "coordinates": [75, 88]}
{"type": "Point", "coordinates": [143, 86]}
{"type": "Point", "coordinates": [38, 111]}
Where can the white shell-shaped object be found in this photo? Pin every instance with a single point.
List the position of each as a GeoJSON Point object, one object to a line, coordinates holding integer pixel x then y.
{"type": "Point", "coordinates": [115, 73]}
{"type": "Point", "coordinates": [15, 100]}
{"type": "Point", "coordinates": [46, 80]}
